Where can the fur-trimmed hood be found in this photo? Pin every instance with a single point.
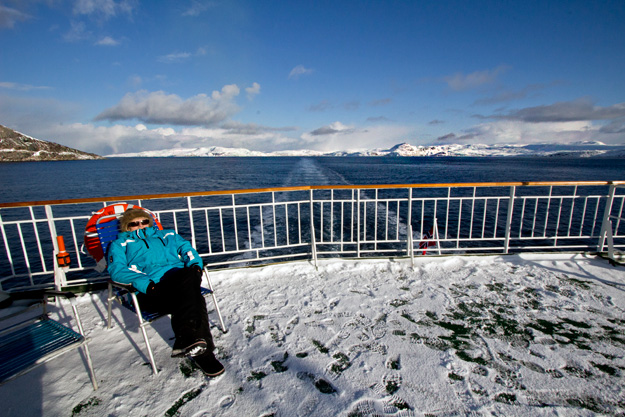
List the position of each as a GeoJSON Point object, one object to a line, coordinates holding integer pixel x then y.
{"type": "Point", "coordinates": [133, 214]}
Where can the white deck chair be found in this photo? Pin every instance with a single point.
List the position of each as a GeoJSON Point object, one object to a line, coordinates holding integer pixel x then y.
{"type": "Point", "coordinates": [28, 342]}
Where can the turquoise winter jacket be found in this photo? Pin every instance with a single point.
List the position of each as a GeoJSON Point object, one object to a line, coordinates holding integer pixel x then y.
{"type": "Point", "coordinates": [145, 255]}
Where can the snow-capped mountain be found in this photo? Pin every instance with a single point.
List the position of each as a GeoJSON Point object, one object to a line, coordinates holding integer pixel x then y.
{"type": "Point", "coordinates": [15, 146]}
{"type": "Point", "coordinates": [578, 149]}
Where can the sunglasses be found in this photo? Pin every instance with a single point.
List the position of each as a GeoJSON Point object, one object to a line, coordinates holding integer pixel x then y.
{"type": "Point", "coordinates": [139, 223]}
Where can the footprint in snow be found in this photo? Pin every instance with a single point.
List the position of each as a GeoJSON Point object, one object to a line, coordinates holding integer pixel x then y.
{"type": "Point", "coordinates": [290, 325]}
{"type": "Point", "coordinates": [226, 401]}
{"type": "Point", "coordinates": [321, 384]}
{"type": "Point", "coordinates": [389, 385]}
{"type": "Point", "coordinates": [393, 363]}
{"type": "Point", "coordinates": [343, 334]}
{"type": "Point", "coordinates": [307, 407]}
{"type": "Point", "coordinates": [340, 364]}
{"type": "Point", "coordinates": [391, 406]}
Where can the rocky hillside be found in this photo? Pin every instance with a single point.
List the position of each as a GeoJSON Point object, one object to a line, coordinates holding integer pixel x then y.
{"type": "Point", "coordinates": [16, 147]}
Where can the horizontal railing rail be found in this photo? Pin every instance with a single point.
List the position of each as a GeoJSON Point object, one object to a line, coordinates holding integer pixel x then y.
{"type": "Point", "coordinates": [255, 226]}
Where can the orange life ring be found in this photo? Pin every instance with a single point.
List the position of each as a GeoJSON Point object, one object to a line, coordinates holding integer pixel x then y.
{"type": "Point", "coordinates": [92, 242]}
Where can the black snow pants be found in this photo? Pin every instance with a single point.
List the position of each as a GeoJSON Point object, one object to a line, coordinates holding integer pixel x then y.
{"type": "Point", "coordinates": [178, 293]}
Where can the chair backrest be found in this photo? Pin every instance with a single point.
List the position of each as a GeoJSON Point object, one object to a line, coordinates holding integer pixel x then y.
{"type": "Point", "coordinates": [107, 228]}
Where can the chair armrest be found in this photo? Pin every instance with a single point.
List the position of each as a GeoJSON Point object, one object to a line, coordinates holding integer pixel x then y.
{"type": "Point", "coordinates": [127, 287]}
{"type": "Point", "coordinates": [54, 293]}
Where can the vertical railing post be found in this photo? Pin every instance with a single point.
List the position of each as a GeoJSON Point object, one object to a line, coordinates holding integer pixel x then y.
{"type": "Point", "coordinates": [234, 223]}
{"type": "Point", "coordinates": [273, 211]}
{"type": "Point", "coordinates": [313, 243]}
{"type": "Point", "coordinates": [447, 211]}
{"type": "Point", "coordinates": [472, 212]}
{"type": "Point", "coordinates": [410, 245]}
{"type": "Point", "coordinates": [7, 248]}
{"type": "Point", "coordinates": [409, 221]}
{"type": "Point", "coordinates": [190, 209]}
{"type": "Point", "coordinates": [509, 219]}
{"type": "Point", "coordinates": [606, 219]}
{"type": "Point", "coordinates": [38, 240]}
{"type": "Point", "coordinates": [60, 280]}
{"type": "Point", "coordinates": [436, 236]}
{"type": "Point", "coordinates": [358, 223]}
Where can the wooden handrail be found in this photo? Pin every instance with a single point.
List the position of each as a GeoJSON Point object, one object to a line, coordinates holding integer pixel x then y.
{"type": "Point", "coordinates": [304, 188]}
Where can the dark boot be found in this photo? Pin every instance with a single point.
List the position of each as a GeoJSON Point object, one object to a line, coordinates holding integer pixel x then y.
{"type": "Point", "coordinates": [209, 364]}
{"type": "Point", "coordinates": [182, 348]}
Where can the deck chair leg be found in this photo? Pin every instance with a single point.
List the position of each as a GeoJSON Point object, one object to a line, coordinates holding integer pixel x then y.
{"type": "Point", "coordinates": [110, 301]}
{"type": "Point", "coordinates": [210, 287]}
{"type": "Point", "coordinates": [145, 334]}
{"type": "Point", "coordinates": [94, 381]}
{"type": "Point", "coordinates": [85, 346]}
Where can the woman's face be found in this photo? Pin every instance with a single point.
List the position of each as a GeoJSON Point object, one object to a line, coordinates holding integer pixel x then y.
{"type": "Point", "coordinates": [138, 223]}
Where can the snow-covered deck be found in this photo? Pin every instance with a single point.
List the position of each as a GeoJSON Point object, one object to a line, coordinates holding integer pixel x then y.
{"type": "Point", "coordinates": [482, 335]}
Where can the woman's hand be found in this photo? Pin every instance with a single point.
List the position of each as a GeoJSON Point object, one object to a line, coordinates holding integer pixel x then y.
{"type": "Point", "coordinates": [151, 290]}
{"type": "Point", "coordinates": [198, 271]}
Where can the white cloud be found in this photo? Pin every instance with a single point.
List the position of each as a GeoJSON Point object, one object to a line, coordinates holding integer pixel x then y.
{"type": "Point", "coordinates": [576, 110]}
{"type": "Point", "coordinates": [238, 128]}
{"type": "Point", "coordinates": [177, 57]}
{"type": "Point", "coordinates": [77, 32]}
{"type": "Point", "coordinates": [299, 71]}
{"type": "Point", "coordinates": [161, 108]}
{"type": "Point", "coordinates": [351, 105]}
{"type": "Point", "coordinates": [253, 91]}
{"type": "Point", "coordinates": [107, 140]}
{"type": "Point", "coordinates": [174, 57]}
{"type": "Point", "coordinates": [21, 87]}
{"type": "Point", "coordinates": [140, 138]}
{"type": "Point", "coordinates": [9, 17]}
{"type": "Point", "coordinates": [104, 140]}
{"type": "Point", "coordinates": [135, 80]}
{"type": "Point", "coordinates": [197, 7]}
{"type": "Point", "coordinates": [321, 106]}
{"type": "Point", "coordinates": [506, 95]}
{"type": "Point", "coordinates": [378, 119]}
{"type": "Point", "coordinates": [107, 41]}
{"type": "Point", "coordinates": [616, 126]}
{"type": "Point", "coordinates": [381, 102]}
{"type": "Point", "coordinates": [461, 82]}
{"type": "Point", "coordinates": [520, 132]}
{"type": "Point", "coordinates": [331, 129]}
{"type": "Point", "coordinates": [338, 137]}
{"type": "Point", "coordinates": [104, 8]}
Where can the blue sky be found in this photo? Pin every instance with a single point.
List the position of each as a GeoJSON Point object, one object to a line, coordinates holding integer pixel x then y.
{"type": "Point", "coordinates": [114, 76]}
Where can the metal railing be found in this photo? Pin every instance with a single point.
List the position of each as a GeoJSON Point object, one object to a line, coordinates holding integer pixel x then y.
{"type": "Point", "coordinates": [247, 227]}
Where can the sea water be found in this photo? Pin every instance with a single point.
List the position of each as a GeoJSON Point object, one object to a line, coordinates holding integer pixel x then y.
{"type": "Point", "coordinates": [37, 181]}
{"type": "Point", "coordinates": [121, 177]}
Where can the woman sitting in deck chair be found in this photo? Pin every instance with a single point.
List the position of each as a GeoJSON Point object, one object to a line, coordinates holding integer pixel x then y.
{"type": "Point", "coordinates": [167, 272]}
